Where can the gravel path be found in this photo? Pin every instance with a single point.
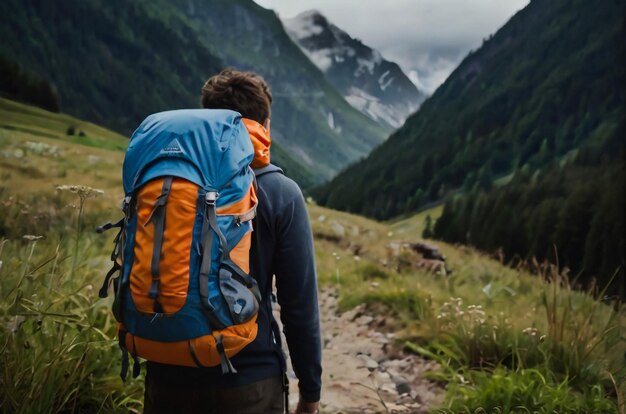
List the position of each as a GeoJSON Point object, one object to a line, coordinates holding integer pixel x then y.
{"type": "Point", "coordinates": [362, 371]}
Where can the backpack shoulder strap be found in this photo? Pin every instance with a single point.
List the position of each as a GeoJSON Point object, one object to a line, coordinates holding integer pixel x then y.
{"type": "Point", "coordinates": [271, 168]}
{"type": "Point", "coordinates": [258, 172]}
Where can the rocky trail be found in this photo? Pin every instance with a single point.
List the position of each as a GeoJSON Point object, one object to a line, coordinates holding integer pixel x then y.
{"type": "Point", "coordinates": [362, 372]}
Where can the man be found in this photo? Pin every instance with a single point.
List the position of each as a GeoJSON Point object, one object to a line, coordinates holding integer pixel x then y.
{"type": "Point", "coordinates": [283, 247]}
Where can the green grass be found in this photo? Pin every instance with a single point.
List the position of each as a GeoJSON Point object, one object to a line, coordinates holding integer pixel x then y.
{"type": "Point", "coordinates": [523, 391]}
{"type": "Point", "coordinates": [413, 226]}
{"type": "Point", "coordinates": [35, 121]}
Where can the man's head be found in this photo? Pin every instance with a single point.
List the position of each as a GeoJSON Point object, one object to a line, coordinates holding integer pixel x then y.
{"type": "Point", "coordinates": [244, 92]}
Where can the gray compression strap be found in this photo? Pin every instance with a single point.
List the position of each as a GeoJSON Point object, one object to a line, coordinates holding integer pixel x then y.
{"type": "Point", "coordinates": [158, 217]}
{"type": "Point", "coordinates": [211, 211]}
{"type": "Point", "coordinates": [205, 266]}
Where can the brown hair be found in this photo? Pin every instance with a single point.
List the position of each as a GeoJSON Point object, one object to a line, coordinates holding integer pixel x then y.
{"type": "Point", "coordinates": [244, 92]}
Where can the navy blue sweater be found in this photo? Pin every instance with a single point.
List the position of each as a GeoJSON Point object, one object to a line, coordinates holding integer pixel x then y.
{"type": "Point", "coordinates": [282, 247]}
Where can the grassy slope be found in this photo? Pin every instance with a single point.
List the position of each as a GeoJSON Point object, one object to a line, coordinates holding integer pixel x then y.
{"type": "Point", "coordinates": [94, 159]}
{"type": "Point", "coordinates": [414, 298]}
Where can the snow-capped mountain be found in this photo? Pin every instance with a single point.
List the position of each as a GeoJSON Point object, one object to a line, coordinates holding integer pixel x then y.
{"type": "Point", "coordinates": [373, 85]}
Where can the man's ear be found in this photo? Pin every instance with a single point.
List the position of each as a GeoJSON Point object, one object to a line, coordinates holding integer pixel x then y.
{"type": "Point", "coordinates": [266, 124]}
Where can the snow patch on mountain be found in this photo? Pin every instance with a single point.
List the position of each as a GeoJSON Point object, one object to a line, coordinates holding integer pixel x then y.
{"type": "Point", "coordinates": [323, 59]}
{"type": "Point", "coordinates": [384, 83]}
{"type": "Point", "coordinates": [372, 107]}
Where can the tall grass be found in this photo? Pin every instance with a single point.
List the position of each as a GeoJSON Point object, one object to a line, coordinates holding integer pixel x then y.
{"type": "Point", "coordinates": [58, 352]}
{"type": "Point", "coordinates": [572, 361]}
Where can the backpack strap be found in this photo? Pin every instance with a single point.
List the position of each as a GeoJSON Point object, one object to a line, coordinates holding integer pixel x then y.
{"type": "Point", "coordinates": [158, 217]}
{"type": "Point", "coordinates": [115, 255]}
{"type": "Point", "coordinates": [270, 168]}
{"type": "Point", "coordinates": [209, 227]}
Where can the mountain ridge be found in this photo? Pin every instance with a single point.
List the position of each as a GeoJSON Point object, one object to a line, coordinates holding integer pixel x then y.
{"type": "Point", "coordinates": [373, 85]}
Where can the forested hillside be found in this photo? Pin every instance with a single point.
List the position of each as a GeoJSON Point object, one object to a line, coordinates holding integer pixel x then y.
{"type": "Point", "coordinates": [573, 216]}
{"type": "Point", "coordinates": [111, 62]}
{"type": "Point", "coordinates": [114, 62]}
{"type": "Point", "coordinates": [24, 86]}
{"type": "Point", "coordinates": [545, 85]}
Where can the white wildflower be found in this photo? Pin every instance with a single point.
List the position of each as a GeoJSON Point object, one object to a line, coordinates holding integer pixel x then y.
{"type": "Point", "coordinates": [82, 191]}
{"type": "Point", "coordinates": [31, 237]}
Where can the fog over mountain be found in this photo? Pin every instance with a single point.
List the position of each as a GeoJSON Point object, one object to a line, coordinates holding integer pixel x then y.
{"type": "Point", "coordinates": [427, 38]}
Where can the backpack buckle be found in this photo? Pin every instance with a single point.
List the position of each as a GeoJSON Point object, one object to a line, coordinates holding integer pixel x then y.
{"type": "Point", "coordinates": [211, 197]}
{"type": "Point", "coordinates": [125, 203]}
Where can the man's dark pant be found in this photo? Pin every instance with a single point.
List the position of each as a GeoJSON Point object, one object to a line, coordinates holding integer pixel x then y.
{"type": "Point", "coordinates": [260, 397]}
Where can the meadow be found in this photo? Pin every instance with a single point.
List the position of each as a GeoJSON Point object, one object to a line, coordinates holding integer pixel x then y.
{"type": "Point", "coordinates": [508, 340]}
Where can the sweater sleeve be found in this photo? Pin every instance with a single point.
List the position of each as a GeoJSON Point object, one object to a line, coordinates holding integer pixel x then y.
{"type": "Point", "coordinates": [296, 284]}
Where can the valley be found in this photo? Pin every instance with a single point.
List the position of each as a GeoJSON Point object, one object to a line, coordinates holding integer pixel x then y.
{"type": "Point", "coordinates": [443, 326]}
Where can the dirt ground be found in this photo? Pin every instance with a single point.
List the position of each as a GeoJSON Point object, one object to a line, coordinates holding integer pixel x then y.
{"type": "Point", "coordinates": [362, 372]}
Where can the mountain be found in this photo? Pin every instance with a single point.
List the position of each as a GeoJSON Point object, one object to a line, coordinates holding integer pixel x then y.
{"type": "Point", "coordinates": [114, 62]}
{"type": "Point", "coordinates": [373, 85]}
{"type": "Point", "coordinates": [310, 118]}
{"type": "Point", "coordinates": [546, 85]}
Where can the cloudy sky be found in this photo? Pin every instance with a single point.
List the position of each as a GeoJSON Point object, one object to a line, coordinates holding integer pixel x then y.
{"type": "Point", "coordinates": [427, 38]}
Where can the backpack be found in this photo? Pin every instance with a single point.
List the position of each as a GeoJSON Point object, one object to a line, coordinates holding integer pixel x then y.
{"type": "Point", "coordinates": [183, 295]}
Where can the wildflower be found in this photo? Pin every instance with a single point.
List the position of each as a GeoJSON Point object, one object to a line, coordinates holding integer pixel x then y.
{"type": "Point", "coordinates": [31, 237]}
{"type": "Point", "coordinates": [83, 191]}
{"type": "Point", "coordinates": [530, 331]}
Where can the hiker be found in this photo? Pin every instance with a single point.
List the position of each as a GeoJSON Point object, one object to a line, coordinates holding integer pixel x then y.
{"type": "Point", "coordinates": [282, 246]}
